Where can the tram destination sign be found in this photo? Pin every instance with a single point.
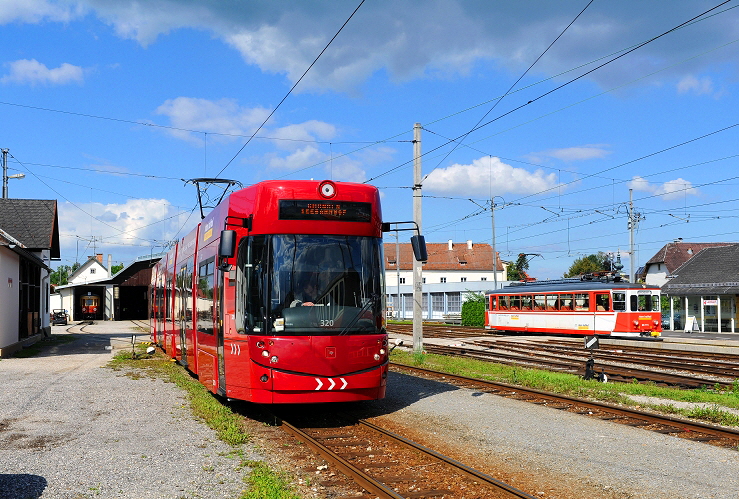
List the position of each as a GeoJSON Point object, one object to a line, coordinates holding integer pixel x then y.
{"type": "Point", "coordinates": [344, 211]}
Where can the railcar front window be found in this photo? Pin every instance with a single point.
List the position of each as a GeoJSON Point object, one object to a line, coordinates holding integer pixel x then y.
{"type": "Point", "coordinates": [619, 301]}
{"type": "Point", "coordinates": [310, 285]}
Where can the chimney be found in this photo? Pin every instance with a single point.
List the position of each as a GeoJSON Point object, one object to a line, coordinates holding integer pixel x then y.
{"type": "Point", "coordinates": [451, 245]}
{"type": "Point", "coordinates": [469, 244]}
{"type": "Point", "coordinates": [99, 257]}
{"type": "Point", "coordinates": [110, 264]}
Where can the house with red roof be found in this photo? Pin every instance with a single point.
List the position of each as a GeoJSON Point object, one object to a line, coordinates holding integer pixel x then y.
{"type": "Point", "coordinates": [452, 270]}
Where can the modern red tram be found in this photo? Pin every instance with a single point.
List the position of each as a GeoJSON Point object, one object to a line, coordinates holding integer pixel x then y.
{"type": "Point", "coordinates": [278, 295]}
{"type": "Point", "coordinates": [575, 306]}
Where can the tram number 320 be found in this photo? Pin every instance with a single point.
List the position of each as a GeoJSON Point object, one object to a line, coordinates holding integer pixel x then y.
{"type": "Point", "coordinates": [327, 323]}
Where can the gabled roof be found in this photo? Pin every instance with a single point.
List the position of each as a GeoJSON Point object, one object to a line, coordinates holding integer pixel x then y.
{"type": "Point", "coordinates": [33, 222]}
{"type": "Point", "coordinates": [460, 257]}
{"type": "Point", "coordinates": [91, 261]}
{"type": "Point", "coordinates": [713, 271]}
{"type": "Point", "coordinates": [673, 255]}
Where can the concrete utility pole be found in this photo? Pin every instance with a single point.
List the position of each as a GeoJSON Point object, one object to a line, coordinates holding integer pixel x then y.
{"type": "Point", "coordinates": [633, 224]}
{"type": "Point", "coordinates": [417, 266]}
{"type": "Point", "coordinates": [495, 256]}
{"type": "Point", "coordinates": [5, 173]}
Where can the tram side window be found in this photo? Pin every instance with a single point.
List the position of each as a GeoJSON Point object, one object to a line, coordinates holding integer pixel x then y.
{"type": "Point", "coordinates": [565, 302]}
{"type": "Point", "coordinates": [582, 301]}
{"type": "Point", "coordinates": [526, 302]}
{"type": "Point", "coordinates": [205, 296]}
{"type": "Point", "coordinates": [504, 302]}
{"type": "Point", "coordinates": [515, 303]}
{"type": "Point", "coordinates": [619, 301]}
{"type": "Point", "coordinates": [251, 264]}
{"type": "Point", "coordinates": [646, 303]}
{"type": "Point", "coordinates": [493, 302]}
{"type": "Point", "coordinates": [552, 302]}
{"type": "Point", "coordinates": [601, 302]}
{"type": "Point", "coordinates": [539, 303]}
{"type": "Point", "coordinates": [656, 303]}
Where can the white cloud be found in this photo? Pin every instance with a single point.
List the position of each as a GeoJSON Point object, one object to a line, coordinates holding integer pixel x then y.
{"type": "Point", "coordinates": [223, 116]}
{"type": "Point", "coordinates": [445, 37]}
{"type": "Point", "coordinates": [34, 11]}
{"type": "Point", "coordinates": [672, 189]}
{"type": "Point", "coordinates": [579, 153]}
{"type": "Point", "coordinates": [144, 222]}
{"type": "Point", "coordinates": [475, 179]}
{"type": "Point", "coordinates": [702, 86]}
{"type": "Point", "coordinates": [33, 72]}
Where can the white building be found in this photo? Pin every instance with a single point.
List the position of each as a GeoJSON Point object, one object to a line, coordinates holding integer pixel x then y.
{"type": "Point", "coordinates": [29, 240]}
{"type": "Point", "coordinates": [452, 270]}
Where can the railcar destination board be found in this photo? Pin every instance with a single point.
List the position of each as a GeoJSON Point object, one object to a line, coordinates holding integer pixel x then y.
{"type": "Point", "coordinates": [337, 211]}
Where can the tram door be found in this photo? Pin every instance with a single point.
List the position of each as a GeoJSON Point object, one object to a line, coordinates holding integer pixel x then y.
{"type": "Point", "coordinates": [183, 292]}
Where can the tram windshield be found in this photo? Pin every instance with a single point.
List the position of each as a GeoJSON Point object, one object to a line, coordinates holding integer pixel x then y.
{"type": "Point", "coordinates": [290, 284]}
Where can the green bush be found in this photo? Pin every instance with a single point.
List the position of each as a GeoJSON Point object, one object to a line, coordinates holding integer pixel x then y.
{"type": "Point", "coordinates": [473, 310]}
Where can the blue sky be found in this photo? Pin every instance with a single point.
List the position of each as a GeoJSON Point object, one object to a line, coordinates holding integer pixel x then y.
{"type": "Point", "coordinates": [107, 104]}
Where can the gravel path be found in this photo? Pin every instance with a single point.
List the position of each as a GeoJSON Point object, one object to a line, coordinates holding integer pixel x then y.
{"type": "Point", "coordinates": [72, 429]}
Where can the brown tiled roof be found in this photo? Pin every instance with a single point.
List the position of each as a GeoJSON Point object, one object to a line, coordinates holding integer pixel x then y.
{"type": "Point", "coordinates": [460, 257]}
{"type": "Point", "coordinates": [673, 255]}
{"type": "Point", "coordinates": [33, 222]}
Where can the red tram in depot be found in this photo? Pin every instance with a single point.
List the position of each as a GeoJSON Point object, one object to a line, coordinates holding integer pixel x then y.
{"type": "Point", "coordinates": [576, 306]}
{"type": "Point", "coordinates": [278, 296]}
{"type": "Point", "coordinates": [89, 305]}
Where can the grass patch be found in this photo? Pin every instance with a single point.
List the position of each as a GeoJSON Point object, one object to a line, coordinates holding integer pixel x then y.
{"type": "Point", "coordinates": [575, 386]}
{"type": "Point", "coordinates": [40, 346]}
{"type": "Point", "coordinates": [265, 483]}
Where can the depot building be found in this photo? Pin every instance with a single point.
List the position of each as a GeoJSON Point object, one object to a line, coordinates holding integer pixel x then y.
{"type": "Point", "coordinates": [123, 296]}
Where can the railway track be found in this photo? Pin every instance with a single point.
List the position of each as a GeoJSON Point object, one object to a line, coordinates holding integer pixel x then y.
{"type": "Point", "coordinates": [681, 428]}
{"type": "Point", "coordinates": [622, 365]}
{"type": "Point", "coordinates": [728, 368]}
{"type": "Point", "coordinates": [387, 465]}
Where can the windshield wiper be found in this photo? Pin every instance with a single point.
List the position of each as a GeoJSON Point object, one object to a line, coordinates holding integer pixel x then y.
{"type": "Point", "coordinates": [356, 317]}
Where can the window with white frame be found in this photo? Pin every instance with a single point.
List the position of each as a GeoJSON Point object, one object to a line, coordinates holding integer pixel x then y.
{"type": "Point", "coordinates": [442, 280]}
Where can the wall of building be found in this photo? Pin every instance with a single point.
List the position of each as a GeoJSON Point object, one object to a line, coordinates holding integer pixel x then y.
{"type": "Point", "coordinates": [9, 278]}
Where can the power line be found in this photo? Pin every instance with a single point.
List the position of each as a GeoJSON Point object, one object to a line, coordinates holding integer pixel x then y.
{"type": "Point", "coordinates": [291, 88]}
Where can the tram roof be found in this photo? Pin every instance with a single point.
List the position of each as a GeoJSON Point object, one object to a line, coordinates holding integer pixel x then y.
{"type": "Point", "coordinates": [567, 285]}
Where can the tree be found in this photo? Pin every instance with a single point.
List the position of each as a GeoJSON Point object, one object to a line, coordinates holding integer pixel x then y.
{"type": "Point", "coordinates": [517, 271]}
{"type": "Point", "coordinates": [473, 309]}
{"type": "Point", "coordinates": [116, 268]}
{"type": "Point", "coordinates": [60, 276]}
{"type": "Point", "coordinates": [590, 263]}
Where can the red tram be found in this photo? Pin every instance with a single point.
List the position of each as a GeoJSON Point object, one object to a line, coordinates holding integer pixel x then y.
{"type": "Point", "coordinates": [89, 305]}
{"type": "Point", "coordinates": [575, 306]}
{"type": "Point", "coordinates": [278, 295]}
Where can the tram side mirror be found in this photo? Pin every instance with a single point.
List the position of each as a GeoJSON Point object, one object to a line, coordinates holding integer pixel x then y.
{"type": "Point", "coordinates": [227, 246]}
{"type": "Point", "coordinates": [419, 248]}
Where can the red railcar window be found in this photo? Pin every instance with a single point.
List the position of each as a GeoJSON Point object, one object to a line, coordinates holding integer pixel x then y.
{"type": "Point", "coordinates": [582, 301]}
{"type": "Point", "coordinates": [602, 302]}
{"type": "Point", "coordinates": [552, 302]}
{"type": "Point", "coordinates": [539, 302]}
{"type": "Point", "coordinates": [565, 302]}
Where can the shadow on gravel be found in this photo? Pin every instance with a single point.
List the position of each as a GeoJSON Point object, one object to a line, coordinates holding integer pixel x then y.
{"type": "Point", "coordinates": [58, 345]}
{"type": "Point", "coordinates": [402, 391]}
{"type": "Point", "coordinates": [21, 486]}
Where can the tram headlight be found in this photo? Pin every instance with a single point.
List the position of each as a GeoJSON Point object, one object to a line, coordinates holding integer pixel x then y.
{"type": "Point", "coordinates": [377, 356]}
{"type": "Point", "coordinates": [265, 353]}
{"type": "Point", "coordinates": [260, 344]}
{"type": "Point", "coordinates": [263, 378]}
{"type": "Point", "coordinates": [636, 323]}
{"type": "Point", "coordinates": [273, 359]}
{"type": "Point", "coordinates": [382, 351]}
